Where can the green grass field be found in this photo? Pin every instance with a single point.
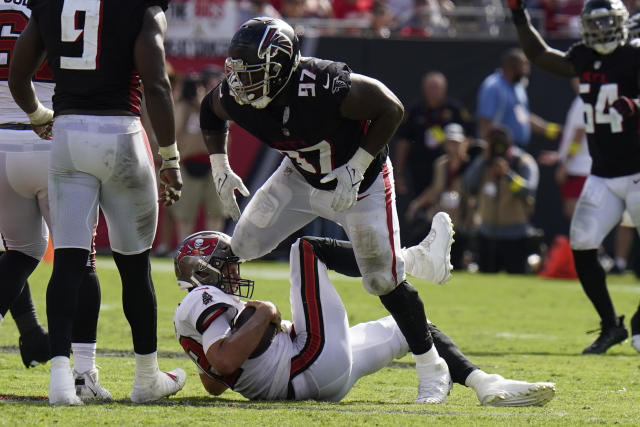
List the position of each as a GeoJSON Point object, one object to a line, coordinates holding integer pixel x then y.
{"type": "Point", "coordinates": [521, 327]}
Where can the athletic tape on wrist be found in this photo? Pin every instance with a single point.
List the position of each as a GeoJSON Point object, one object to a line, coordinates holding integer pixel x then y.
{"type": "Point", "coordinates": [170, 157]}
{"type": "Point", "coordinates": [361, 160]}
{"type": "Point", "coordinates": [41, 116]}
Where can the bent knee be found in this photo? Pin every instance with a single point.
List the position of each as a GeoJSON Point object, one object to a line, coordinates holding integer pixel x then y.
{"type": "Point", "coordinates": [378, 283]}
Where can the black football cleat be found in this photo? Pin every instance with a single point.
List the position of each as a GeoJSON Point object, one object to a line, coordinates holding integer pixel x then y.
{"type": "Point", "coordinates": [608, 337]}
{"type": "Point", "coordinates": [34, 347]}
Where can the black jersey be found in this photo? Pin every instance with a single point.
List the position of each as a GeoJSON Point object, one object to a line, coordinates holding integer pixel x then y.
{"type": "Point", "coordinates": [614, 141]}
{"type": "Point", "coordinates": [306, 124]}
{"type": "Point", "coordinates": [89, 46]}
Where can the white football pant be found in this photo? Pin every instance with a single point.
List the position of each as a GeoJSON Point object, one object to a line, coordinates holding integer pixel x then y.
{"type": "Point", "coordinates": [24, 207]}
{"type": "Point", "coordinates": [102, 161]}
{"type": "Point", "coordinates": [600, 208]}
{"type": "Point", "coordinates": [330, 357]}
{"type": "Point", "coordinates": [286, 203]}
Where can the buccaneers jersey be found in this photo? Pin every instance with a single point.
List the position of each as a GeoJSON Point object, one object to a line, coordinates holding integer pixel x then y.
{"type": "Point", "coordinates": [305, 123]}
{"type": "Point", "coordinates": [89, 46]}
{"type": "Point", "coordinates": [13, 20]}
{"type": "Point", "coordinates": [614, 141]}
{"type": "Point", "coordinates": [205, 316]}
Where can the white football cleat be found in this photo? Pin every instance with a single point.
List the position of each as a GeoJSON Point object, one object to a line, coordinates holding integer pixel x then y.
{"type": "Point", "coordinates": [89, 388]}
{"type": "Point", "coordinates": [61, 386]}
{"type": "Point", "coordinates": [162, 384]}
{"type": "Point", "coordinates": [434, 381]}
{"type": "Point", "coordinates": [635, 342]}
{"type": "Point", "coordinates": [494, 390]}
{"type": "Point", "coordinates": [431, 258]}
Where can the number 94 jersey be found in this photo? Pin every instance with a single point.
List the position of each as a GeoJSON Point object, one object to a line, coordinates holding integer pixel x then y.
{"type": "Point", "coordinates": [305, 123]}
{"type": "Point", "coordinates": [614, 141]}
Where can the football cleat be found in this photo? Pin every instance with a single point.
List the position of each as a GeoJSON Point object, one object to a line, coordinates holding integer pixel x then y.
{"type": "Point", "coordinates": [431, 258]}
{"type": "Point", "coordinates": [494, 390]}
{"type": "Point", "coordinates": [61, 385]}
{"type": "Point", "coordinates": [434, 382]}
{"type": "Point", "coordinates": [34, 347]}
{"type": "Point", "coordinates": [163, 384]}
{"type": "Point", "coordinates": [608, 337]}
{"type": "Point", "coordinates": [89, 388]}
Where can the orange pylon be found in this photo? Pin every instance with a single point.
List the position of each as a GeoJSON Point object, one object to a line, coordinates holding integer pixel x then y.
{"type": "Point", "coordinates": [48, 255]}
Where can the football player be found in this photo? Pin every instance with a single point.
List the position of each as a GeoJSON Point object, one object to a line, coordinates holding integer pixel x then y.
{"type": "Point", "coordinates": [333, 127]}
{"type": "Point", "coordinates": [317, 356]}
{"type": "Point", "coordinates": [609, 71]}
{"type": "Point", "coordinates": [24, 220]}
{"type": "Point", "coordinates": [99, 158]}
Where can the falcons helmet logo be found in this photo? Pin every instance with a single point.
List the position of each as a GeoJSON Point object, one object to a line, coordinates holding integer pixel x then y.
{"type": "Point", "coordinates": [273, 41]}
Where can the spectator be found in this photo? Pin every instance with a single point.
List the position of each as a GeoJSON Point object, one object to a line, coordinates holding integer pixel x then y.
{"type": "Point", "coordinates": [424, 18]}
{"type": "Point", "coordinates": [502, 100]}
{"type": "Point", "coordinates": [248, 9]}
{"type": "Point", "coordinates": [420, 141]}
{"type": "Point", "coordinates": [298, 9]}
{"type": "Point", "coordinates": [198, 187]}
{"type": "Point", "coordinates": [505, 179]}
{"type": "Point", "coordinates": [445, 192]}
{"type": "Point", "coordinates": [346, 9]}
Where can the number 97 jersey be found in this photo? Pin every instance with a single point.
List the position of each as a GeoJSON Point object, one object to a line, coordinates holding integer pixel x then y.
{"type": "Point", "coordinates": [89, 46]}
{"type": "Point", "coordinates": [614, 143]}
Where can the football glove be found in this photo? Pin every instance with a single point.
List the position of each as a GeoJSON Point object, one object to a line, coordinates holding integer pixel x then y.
{"type": "Point", "coordinates": [226, 181]}
{"type": "Point", "coordinates": [625, 106]}
{"type": "Point", "coordinates": [348, 177]}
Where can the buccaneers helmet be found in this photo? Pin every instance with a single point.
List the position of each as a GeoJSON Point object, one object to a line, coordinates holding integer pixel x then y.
{"type": "Point", "coordinates": [263, 55]}
{"type": "Point", "coordinates": [204, 259]}
{"type": "Point", "coordinates": [603, 25]}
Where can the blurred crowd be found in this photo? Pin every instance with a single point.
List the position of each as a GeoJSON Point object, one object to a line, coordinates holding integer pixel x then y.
{"type": "Point", "coordinates": [419, 18]}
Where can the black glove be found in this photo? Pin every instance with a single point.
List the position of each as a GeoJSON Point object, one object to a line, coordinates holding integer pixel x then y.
{"type": "Point", "coordinates": [625, 106]}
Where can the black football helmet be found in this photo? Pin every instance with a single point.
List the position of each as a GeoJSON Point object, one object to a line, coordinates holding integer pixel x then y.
{"type": "Point", "coordinates": [263, 54]}
{"type": "Point", "coordinates": [633, 26]}
{"type": "Point", "coordinates": [603, 25]}
{"type": "Point", "coordinates": [201, 260]}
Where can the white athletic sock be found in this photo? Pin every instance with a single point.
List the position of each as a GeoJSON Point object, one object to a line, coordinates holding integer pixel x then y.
{"type": "Point", "coordinates": [475, 378]}
{"type": "Point", "coordinates": [84, 356]}
{"type": "Point", "coordinates": [146, 366]}
{"type": "Point", "coordinates": [428, 358]}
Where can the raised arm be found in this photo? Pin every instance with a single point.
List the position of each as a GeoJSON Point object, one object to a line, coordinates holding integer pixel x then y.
{"type": "Point", "coordinates": [536, 49]}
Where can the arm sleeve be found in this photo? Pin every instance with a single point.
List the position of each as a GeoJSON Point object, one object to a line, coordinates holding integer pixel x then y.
{"type": "Point", "coordinates": [210, 123]}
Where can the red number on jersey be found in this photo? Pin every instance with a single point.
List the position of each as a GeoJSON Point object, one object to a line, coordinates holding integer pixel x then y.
{"type": "Point", "coordinates": [12, 23]}
{"type": "Point", "coordinates": [195, 351]}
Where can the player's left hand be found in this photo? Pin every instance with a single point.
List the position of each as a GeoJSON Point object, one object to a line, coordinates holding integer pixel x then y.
{"type": "Point", "coordinates": [348, 182]}
{"type": "Point", "coordinates": [625, 106]}
{"type": "Point", "coordinates": [44, 131]}
{"type": "Point", "coordinates": [170, 186]}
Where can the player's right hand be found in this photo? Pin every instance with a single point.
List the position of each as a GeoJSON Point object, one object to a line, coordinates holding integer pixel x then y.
{"type": "Point", "coordinates": [170, 186]}
{"type": "Point", "coordinates": [515, 4]}
{"type": "Point", "coordinates": [226, 182]}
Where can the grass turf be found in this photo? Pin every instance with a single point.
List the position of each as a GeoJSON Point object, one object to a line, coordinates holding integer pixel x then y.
{"type": "Point", "coordinates": [519, 326]}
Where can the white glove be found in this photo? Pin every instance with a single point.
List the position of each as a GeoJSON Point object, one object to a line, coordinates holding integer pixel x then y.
{"type": "Point", "coordinates": [349, 177]}
{"type": "Point", "coordinates": [226, 181]}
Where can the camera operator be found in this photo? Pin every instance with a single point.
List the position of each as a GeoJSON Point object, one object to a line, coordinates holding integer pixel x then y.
{"type": "Point", "coordinates": [505, 179]}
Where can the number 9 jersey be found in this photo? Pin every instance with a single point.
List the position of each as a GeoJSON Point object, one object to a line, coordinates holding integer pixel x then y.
{"type": "Point", "coordinates": [89, 50]}
{"type": "Point", "coordinates": [614, 141]}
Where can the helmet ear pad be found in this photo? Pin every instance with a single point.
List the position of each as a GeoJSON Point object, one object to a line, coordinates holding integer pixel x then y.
{"type": "Point", "coordinates": [262, 56]}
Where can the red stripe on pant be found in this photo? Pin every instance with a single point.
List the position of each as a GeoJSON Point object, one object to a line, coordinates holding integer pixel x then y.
{"type": "Point", "coordinates": [388, 201]}
{"type": "Point", "coordinates": [312, 311]}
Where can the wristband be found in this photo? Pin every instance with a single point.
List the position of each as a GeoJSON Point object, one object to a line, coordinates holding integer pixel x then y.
{"type": "Point", "coordinates": [41, 116]}
{"type": "Point", "coordinates": [552, 130]}
{"type": "Point", "coordinates": [170, 157]}
{"type": "Point", "coordinates": [219, 161]}
{"type": "Point", "coordinates": [361, 160]}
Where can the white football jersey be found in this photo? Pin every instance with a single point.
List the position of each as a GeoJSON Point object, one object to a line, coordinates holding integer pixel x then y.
{"type": "Point", "coordinates": [205, 316]}
{"type": "Point", "coordinates": [13, 20]}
